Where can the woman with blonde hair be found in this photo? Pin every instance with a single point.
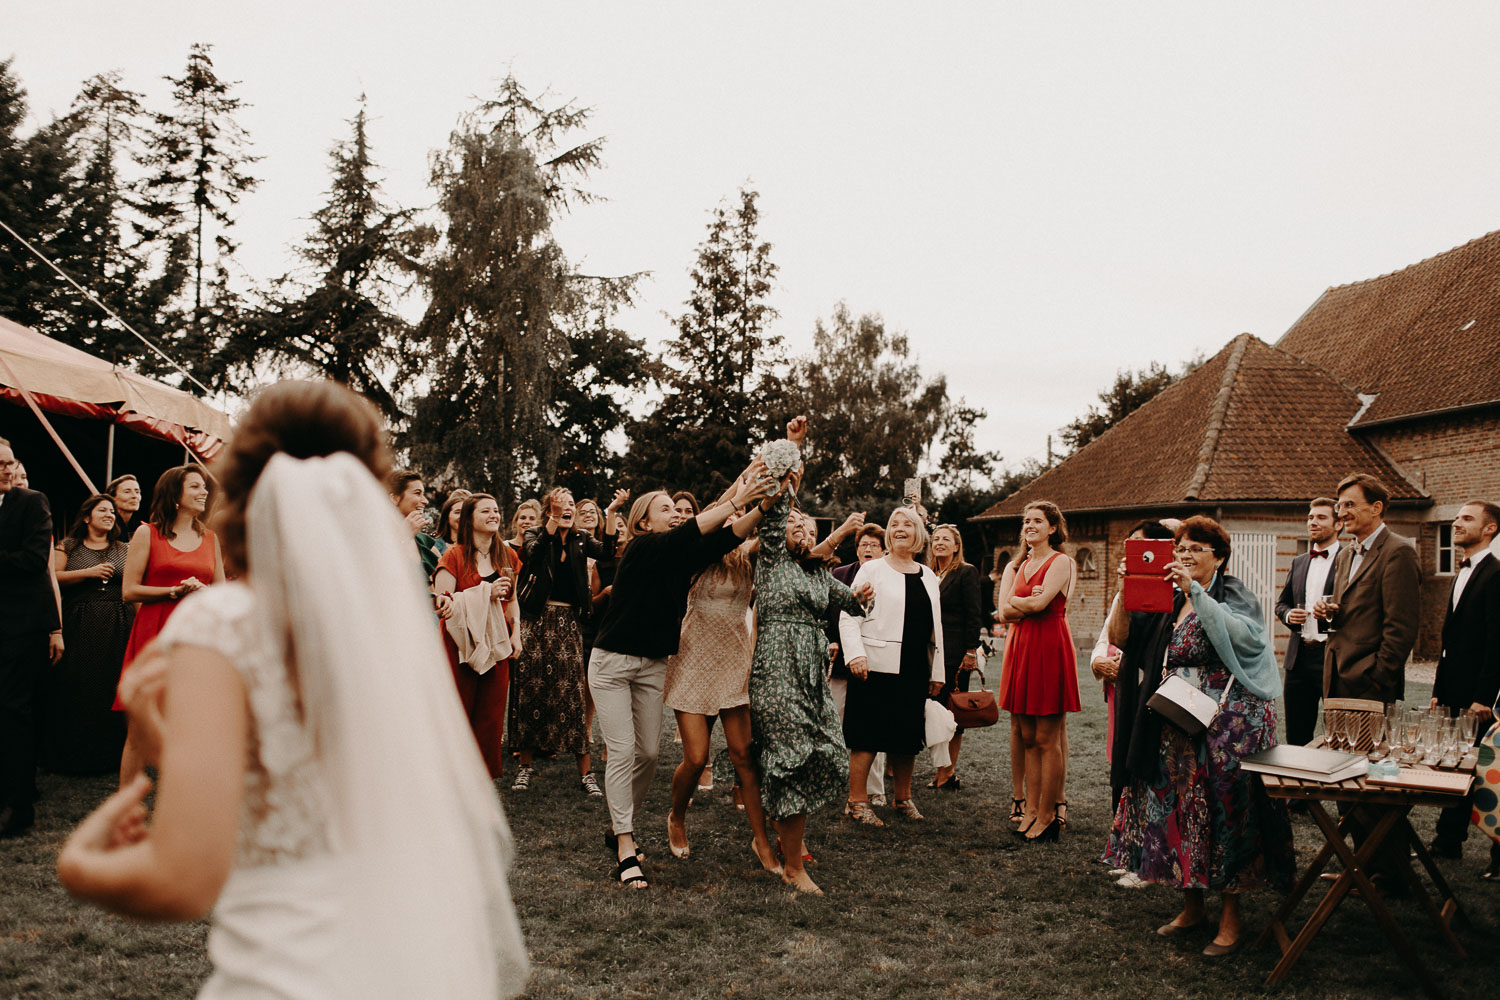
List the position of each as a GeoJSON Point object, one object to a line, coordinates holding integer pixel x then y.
{"type": "Point", "coordinates": [528, 515]}
{"type": "Point", "coordinates": [319, 792]}
{"type": "Point", "coordinates": [895, 657]}
{"type": "Point", "coordinates": [958, 592]}
{"type": "Point", "coordinates": [1041, 670]}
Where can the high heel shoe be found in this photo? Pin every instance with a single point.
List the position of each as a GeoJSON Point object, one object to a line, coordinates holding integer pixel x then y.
{"type": "Point", "coordinates": [1017, 810]}
{"type": "Point", "coordinates": [1021, 831]}
{"type": "Point", "coordinates": [1049, 832]}
{"type": "Point", "coordinates": [1061, 811]}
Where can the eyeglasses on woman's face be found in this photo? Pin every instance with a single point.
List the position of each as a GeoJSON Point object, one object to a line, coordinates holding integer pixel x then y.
{"type": "Point", "coordinates": [1191, 550]}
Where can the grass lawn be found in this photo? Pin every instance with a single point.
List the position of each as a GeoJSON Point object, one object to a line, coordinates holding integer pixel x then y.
{"type": "Point", "coordinates": [949, 907]}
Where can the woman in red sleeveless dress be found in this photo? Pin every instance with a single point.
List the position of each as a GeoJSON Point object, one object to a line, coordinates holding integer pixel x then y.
{"type": "Point", "coordinates": [1041, 670]}
{"type": "Point", "coordinates": [169, 557]}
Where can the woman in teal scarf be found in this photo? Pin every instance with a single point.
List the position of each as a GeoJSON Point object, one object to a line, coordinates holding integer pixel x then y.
{"type": "Point", "coordinates": [1191, 817]}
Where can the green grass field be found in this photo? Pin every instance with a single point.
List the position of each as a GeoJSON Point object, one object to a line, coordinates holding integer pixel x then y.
{"type": "Point", "coordinates": [949, 907]}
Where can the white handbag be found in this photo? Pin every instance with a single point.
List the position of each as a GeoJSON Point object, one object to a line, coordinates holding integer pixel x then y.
{"type": "Point", "coordinates": [1185, 706]}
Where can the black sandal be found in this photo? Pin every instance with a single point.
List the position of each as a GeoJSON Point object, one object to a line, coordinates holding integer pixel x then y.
{"type": "Point", "coordinates": [1017, 810]}
{"type": "Point", "coordinates": [613, 843]}
{"type": "Point", "coordinates": [1059, 811]}
{"type": "Point", "coordinates": [629, 873]}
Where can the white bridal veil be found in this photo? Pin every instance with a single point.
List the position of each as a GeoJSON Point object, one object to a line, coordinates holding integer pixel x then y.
{"type": "Point", "coordinates": [414, 821]}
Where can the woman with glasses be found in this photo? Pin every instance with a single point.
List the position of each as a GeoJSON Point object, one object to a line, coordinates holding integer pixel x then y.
{"type": "Point", "coordinates": [1041, 669]}
{"type": "Point", "coordinates": [1191, 817]}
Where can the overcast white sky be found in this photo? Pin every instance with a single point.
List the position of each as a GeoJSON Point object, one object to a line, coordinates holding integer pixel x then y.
{"type": "Point", "coordinates": [1037, 194]}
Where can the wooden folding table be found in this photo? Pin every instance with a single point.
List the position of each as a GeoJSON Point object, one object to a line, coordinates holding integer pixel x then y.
{"type": "Point", "coordinates": [1382, 812]}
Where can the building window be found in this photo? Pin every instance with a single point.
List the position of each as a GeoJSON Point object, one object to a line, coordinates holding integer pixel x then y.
{"type": "Point", "coordinates": [1302, 546]}
{"type": "Point", "coordinates": [1002, 560]}
{"type": "Point", "coordinates": [1087, 568]}
{"type": "Point", "coordinates": [1446, 560]}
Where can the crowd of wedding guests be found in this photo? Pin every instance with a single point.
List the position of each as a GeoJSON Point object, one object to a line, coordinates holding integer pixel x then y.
{"type": "Point", "coordinates": [827, 681]}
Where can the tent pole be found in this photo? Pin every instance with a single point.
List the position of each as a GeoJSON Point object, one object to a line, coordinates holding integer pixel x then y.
{"type": "Point", "coordinates": [109, 456]}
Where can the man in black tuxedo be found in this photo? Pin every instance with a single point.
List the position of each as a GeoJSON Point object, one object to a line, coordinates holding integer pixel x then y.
{"type": "Point", "coordinates": [1468, 673]}
{"type": "Point", "coordinates": [1311, 573]}
{"type": "Point", "coordinates": [30, 635]}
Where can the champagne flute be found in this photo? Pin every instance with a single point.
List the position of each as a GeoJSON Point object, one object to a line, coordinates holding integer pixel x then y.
{"type": "Point", "coordinates": [1411, 726]}
{"type": "Point", "coordinates": [1379, 746]}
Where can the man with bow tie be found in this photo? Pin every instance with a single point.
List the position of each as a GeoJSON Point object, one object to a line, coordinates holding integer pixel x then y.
{"type": "Point", "coordinates": [1311, 574]}
{"type": "Point", "coordinates": [1468, 673]}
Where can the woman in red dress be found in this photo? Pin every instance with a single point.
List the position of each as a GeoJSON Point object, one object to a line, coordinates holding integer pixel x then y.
{"type": "Point", "coordinates": [1041, 669]}
{"type": "Point", "coordinates": [171, 555]}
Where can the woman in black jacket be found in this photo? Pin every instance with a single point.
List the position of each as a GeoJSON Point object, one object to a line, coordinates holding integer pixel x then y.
{"type": "Point", "coordinates": [550, 712]}
{"type": "Point", "coordinates": [958, 590]}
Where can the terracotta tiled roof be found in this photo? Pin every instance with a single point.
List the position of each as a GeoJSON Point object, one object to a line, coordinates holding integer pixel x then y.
{"type": "Point", "coordinates": [1420, 339]}
{"type": "Point", "coordinates": [1253, 423]}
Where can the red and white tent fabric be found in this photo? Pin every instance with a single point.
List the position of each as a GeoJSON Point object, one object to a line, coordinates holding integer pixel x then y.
{"type": "Point", "coordinates": [65, 380]}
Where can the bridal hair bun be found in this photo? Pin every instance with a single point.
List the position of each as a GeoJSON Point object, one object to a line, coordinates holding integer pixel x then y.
{"type": "Point", "coordinates": [781, 456]}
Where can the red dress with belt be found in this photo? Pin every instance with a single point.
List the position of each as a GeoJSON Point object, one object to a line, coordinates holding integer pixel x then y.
{"type": "Point", "coordinates": [1041, 666]}
{"type": "Point", "coordinates": [166, 566]}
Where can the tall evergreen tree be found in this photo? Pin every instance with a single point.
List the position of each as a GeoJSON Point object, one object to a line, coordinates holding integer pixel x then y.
{"type": "Point", "coordinates": [200, 160]}
{"type": "Point", "coordinates": [120, 267]}
{"type": "Point", "coordinates": [723, 387]}
{"type": "Point", "coordinates": [341, 320]}
{"type": "Point", "coordinates": [38, 199]}
{"type": "Point", "coordinates": [490, 341]}
{"type": "Point", "coordinates": [875, 414]}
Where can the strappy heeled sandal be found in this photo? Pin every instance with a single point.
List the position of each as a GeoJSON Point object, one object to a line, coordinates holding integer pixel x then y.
{"type": "Point", "coordinates": [629, 874]}
{"type": "Point", "coordinates": [1017, 810]}
{"type": "Point", "coordinates": [907, 808]}
{"type": "Point", "coordinates": [862, 812]}
{"type": "Point", "coordinates": [1061, 814]}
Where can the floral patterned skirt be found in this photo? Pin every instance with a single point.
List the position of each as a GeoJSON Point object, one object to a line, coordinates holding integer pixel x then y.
{"type": "Point", "coordinates": [794, 726]}
{"type": "Point", "coordinates": [547, 679]}
{"type": "Point", "coordinates": [1202, 822]}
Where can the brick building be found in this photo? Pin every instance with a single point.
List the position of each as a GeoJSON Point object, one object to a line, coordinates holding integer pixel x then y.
{"type": "Point", "coordinates": [1396, 376]}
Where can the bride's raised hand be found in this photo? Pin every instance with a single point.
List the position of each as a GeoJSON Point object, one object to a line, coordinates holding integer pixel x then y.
{"type": "Point", "coordinates": [796, 430]}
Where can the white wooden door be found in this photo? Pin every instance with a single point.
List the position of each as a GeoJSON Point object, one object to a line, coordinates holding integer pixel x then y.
{"type": "Point", "coordinates": [1253, 560]}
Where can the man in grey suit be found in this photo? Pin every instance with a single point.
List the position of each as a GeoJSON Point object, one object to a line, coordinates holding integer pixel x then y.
{"type": "Point", "coordinates": [1374, 610]}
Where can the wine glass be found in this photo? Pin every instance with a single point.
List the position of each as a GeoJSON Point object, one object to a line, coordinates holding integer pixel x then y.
{"type": "Point", "coordinates": [1380, 746]}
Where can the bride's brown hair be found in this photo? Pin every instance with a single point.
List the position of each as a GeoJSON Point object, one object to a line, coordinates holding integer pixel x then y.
{"type": "Point", "coordinates": [304, 420]}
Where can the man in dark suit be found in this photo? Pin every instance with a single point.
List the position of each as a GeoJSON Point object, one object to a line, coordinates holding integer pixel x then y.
{"type": "Point", "coordinates": [1376, 600]}
{"type": "Point", "coordinates": [1468, 673]}
{"type": "Point", "coordinates": [30, 634]}
{"type": "Point", "coordinates": [1311, 574]}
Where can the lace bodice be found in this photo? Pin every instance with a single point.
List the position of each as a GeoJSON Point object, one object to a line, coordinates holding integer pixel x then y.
{"type": "Point", "coordinates": [280, 816]}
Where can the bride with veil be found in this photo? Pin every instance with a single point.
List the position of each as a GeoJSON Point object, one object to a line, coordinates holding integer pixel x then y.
{"type": "Point", "coordinates": [318, 787]}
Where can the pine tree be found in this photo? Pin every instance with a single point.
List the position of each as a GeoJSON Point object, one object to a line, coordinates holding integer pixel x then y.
{"type": "Point", "coordinates": [723, 390]}
{"type": "Point", "coordinates": [341, 320]}
{"type": "Point", "coordinates": [490, 341]}
{"type": "Point", "coordinates": [199, 158]}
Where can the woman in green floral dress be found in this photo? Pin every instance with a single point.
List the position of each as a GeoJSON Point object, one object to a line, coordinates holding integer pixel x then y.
{"type": "Point", "coordinates": [795, 728]}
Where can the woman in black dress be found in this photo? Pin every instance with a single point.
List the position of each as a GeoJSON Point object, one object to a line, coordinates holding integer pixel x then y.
{"type": "Point", "coordinates": [84, 735]}
{"type": "Point", "coordinates": [958, 588]}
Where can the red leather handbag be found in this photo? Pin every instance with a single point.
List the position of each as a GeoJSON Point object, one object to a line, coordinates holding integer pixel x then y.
{"type": "Point", "coordinates": [974, 709]}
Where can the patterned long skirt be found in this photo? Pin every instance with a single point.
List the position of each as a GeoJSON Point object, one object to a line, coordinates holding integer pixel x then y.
{"type": "Point", "coordinates": [547, 679]}
{"type": "Point", "coordinates": [1203, 822]}
{"type": "Point", "coordinates": [794, 726]}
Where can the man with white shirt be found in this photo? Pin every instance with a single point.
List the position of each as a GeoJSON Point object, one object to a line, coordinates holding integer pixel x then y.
{"type": "Point", "coordinates": [1468, 673]}
{"type": "Point", "coordinates": [1311, 577]}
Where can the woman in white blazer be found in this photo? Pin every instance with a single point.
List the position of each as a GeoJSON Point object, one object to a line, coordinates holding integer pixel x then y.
{"type": "Point", "coordinates": [895, 658]}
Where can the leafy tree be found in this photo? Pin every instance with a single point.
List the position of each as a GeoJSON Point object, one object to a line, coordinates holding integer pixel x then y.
{"type": "Point", "coordinates": [1131, 389]}
{"type": "Point", "coordinates": [340, 320]}
{"type": "Point", "coordinates": [489, 346]}
{"type": "Point", "coordinates": [199, 157]}
{"type": "Point", "coordinates": [961, 458]}
{"type": "Point", "coordinates": [606, 367]}
{"type": "Point", "coordinates": [722, 383]}
{"type": "Point", "coordinates": [873, 413]}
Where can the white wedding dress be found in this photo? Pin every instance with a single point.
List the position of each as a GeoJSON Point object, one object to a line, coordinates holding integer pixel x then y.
{"type": "Point", "coordinates": [371, 849]}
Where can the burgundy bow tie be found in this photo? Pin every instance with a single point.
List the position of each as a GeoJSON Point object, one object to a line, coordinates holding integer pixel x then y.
{"type": "Point", "coordinates": [1319, 553]}
{"type": "Point", "coordinates": [1464, 564]}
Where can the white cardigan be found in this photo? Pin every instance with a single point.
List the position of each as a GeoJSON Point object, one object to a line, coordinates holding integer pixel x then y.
{"type": "Point", "coordinates": [877, 636]}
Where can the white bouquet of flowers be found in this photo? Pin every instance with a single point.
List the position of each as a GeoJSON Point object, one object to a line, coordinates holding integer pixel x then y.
{"type": "Point", "coordinates": [781, 456]}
